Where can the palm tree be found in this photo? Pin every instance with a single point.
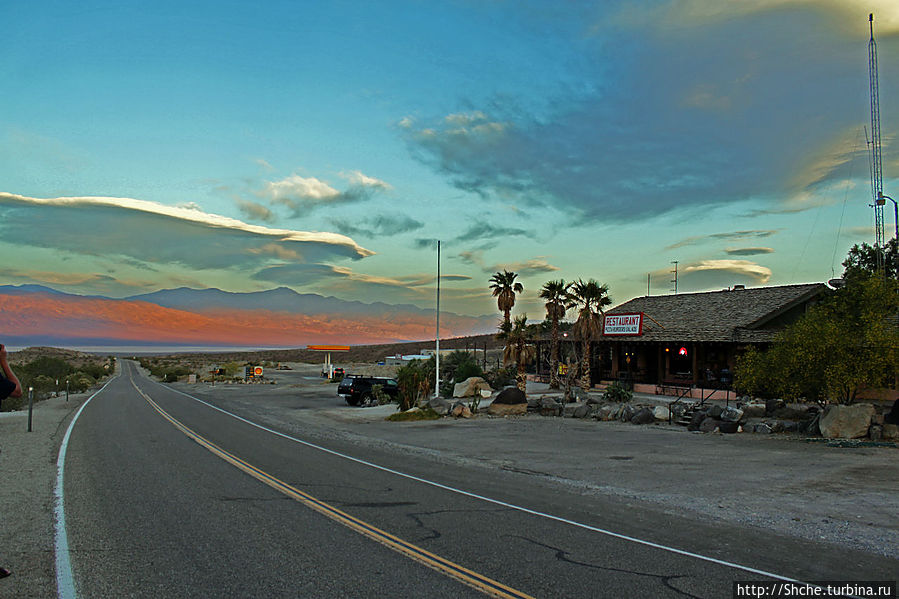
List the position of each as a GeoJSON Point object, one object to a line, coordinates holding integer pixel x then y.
{"type": "Point", "coordinates": [590, 297]}
{"type": "Point", "coordinates": [558, 299]}
{"type": "Point", "coordinates": [517, 334]}
{"type": "Point", "coordinates": [504, 289]}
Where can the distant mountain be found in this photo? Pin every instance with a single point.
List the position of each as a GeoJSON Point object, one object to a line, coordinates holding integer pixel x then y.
{"type": "Point", "coordinates": [35, 315]}
{"type": "Point", "coordinates": [29, 289]}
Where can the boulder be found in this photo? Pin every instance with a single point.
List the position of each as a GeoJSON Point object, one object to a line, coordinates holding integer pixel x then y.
{"type": "Point", "coordinates": [661, 413]}
{"type": "Point", "coordinates": [891, 432]}
{"type": "Point", "coordinates": [715, 411]}
{"type": "Point", "coordinates": [594, 399]}
{"type": "Point", "coordinates": [569, 409]}
{"type": "Point", "coordinates": [731, 415]}
{"type": "Point", "coordinates": [811, 425]}
{"type": "Point", "coordinates": [626, 412]}
{"type": "Point", "coordinates": [511, 395]}
{"type": "Point", "coordinates": [876, 432]}
{"type": "Point", "coordinates": [439, 405]}
{"type": "Point", "coordinates": [762, 428]}
{"type": "Point", "coordinates": [550, 407]}
{"type": "Point", "coordinates": [776, 426]}
{"type": "Point", "coordinates": [709, 425]}
{"type": "Point", "coordinates": [533, 404]}
{"type": "Point", "coordinates": [728, 427]}
{"type": "Point", "coordinates": [466, 412]}
{"type": "Point", "coordinates": [847, 422]}
{"type": "Point", "coordinates": [791, 412]}
{"type": "Point", "coordinates": [754, 410]}
{"type": "Point", "coordinates": [677, 410]}
{"type": "Point", "coordinates": [471, 387]}
{"type": "Point", "coordinates": [606, 412]}
{"type": "Point", "coordinates": [643, 416]}
{"type": "Point", "coordinates": [772, 405]}
{"type": "Point", "coordinates": [892, 417]}
{"type": "Point", "coordinates": [696, 421]}
{"type": "Point", "coordinates": [457, 410]}
{"type": "Point", "coordinates": [582, 411]}
{"type": "Point", "coordinates": [504, 409]}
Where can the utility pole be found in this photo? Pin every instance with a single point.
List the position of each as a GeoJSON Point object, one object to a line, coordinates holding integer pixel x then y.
{"type": "Point", "coordinates": [674, 280]}
{"type": "Point", "coordinates": [437, 354]}
{"type": "Point", "coordinates": [876, 160]}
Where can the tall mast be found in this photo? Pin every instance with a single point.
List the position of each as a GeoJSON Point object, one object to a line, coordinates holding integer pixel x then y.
{"type": "Point", "coordinates": [437, 348]}
{"type": "Point", "coordinates": [876, 162]}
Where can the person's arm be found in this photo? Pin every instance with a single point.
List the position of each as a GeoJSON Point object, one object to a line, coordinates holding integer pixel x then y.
{"type": "Point", "coordinates": [7, 371]}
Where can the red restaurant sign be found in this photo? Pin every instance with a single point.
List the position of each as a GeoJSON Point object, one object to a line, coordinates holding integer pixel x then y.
{"type": "Point", "coordinates": [623, 324]}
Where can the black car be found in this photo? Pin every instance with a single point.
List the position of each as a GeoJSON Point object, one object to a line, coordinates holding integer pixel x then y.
{"type": "Point", "coordinates": [357, 390]}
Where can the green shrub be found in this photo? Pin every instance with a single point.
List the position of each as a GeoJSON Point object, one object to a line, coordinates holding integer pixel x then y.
{"type": "Point", "coordinates": [380, 395]}
{"type": "Point", "coordinates": [502, 376]}
{"type": "Point", "coordinates": [415, 381]}
{"type": "Point", "coordinates": [618, 393]}
{"type": "Point", "coordinates": [424, 414]}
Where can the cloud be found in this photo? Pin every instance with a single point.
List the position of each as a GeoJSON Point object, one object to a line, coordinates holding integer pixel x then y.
{"type": "Point", "coordinates": [526, 268]}
{"type": "Point", "coordinates": [147, 232]}
{"type": "Point", "coordinates": [254, 211]}
{"type": "Point", "coordinates": [303, 194]}
{"type": "Point", "coordinates": [732, 236]}
{"type": "Point", "coordinates": [487, 231]}
{"type": "Point", "coordinates": [377, 226]}
{"type": "Point", "coordinates": [688, 14]}
{"type": "Point", "coordinates": [264, 164]}
{"type": "Point", "coordinates": [738, 106]}
{"type": "Point", "coordinates": [716, 274]}
{"type": "Point", "coordinates": [755, 251]}
{"type": "Point", "coordinates": [362, 180]}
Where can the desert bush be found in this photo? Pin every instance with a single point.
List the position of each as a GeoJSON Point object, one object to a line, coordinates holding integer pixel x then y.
{"type": "Point", "coordinates": [501, 376]}
{"type": "Point", "coordinates": [618, 393]}
{"type": "Point", "coordinates": [415, 381]}
{"type": "Point", "coordinates": [380, 395]}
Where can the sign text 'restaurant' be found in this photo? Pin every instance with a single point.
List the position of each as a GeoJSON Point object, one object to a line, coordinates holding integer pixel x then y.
{"type": "Point", "coordinates": [623, 324]}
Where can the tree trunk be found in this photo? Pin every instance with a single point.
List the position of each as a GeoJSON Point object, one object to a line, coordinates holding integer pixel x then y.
{"type": "Point", "coordinates": [585, 367]}
{"type": "Point", "coordinates": [522, 378]}
{"type": "Point", "coordinates": [554, 357]}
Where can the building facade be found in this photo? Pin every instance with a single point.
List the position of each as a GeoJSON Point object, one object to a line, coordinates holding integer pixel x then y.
{"type": "Point", "coordinates": [668, 343]}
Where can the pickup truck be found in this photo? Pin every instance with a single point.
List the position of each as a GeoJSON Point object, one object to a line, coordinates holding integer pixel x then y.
{"type": "Point", "coordinates": [357, 389]}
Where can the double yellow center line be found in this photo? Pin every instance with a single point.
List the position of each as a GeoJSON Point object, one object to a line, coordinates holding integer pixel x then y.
{"type": "Point", "coordinates": [444, 566]}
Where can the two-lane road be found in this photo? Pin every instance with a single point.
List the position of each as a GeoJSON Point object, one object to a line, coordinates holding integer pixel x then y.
{"type": "Point", "coordinates": [168, 496]}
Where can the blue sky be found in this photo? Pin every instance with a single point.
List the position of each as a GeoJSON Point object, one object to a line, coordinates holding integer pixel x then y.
{"type": "Point", "coordinates": [325, 146]}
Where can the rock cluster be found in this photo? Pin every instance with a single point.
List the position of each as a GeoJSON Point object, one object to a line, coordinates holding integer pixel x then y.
{"type": "Point", "coordinates": [773, 416]}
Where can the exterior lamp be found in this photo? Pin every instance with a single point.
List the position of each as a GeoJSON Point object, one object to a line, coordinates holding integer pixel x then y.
{"type": "Point", "coordinates": [880, 201]}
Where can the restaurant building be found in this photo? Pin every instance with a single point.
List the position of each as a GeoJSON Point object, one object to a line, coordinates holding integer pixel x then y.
{"type": "Point", "coordinates": [688, 343]}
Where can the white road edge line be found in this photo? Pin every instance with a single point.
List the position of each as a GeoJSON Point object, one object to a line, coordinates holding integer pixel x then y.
{"type": "Point", "coordinates": [499, 502]}
{"type": "Point", "coordinates": [65, 581]}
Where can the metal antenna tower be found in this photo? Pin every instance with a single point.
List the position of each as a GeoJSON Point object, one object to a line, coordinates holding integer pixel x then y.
{"type": "Point", "coordinates": [674, 272]}
{"type": "Point", "coordinates": [876, 163]}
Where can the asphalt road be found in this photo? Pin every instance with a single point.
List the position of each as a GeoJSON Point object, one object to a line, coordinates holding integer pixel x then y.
{"type": "Point", "coordinates": [153, 512]}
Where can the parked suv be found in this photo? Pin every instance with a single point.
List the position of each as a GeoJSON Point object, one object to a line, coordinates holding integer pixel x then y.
{"type": "Point", "coordinates": [357, 390]}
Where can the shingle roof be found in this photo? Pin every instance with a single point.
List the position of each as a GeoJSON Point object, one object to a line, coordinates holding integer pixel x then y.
{"type": "Point", "coordinates": [739, 315]}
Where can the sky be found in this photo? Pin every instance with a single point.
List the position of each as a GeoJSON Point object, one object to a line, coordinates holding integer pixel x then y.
{"type": "Point", "coordinates": [327, 146]}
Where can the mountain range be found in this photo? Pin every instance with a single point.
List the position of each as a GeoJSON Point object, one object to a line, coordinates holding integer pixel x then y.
{"type": "Point", "coordinates": [37, 315]}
